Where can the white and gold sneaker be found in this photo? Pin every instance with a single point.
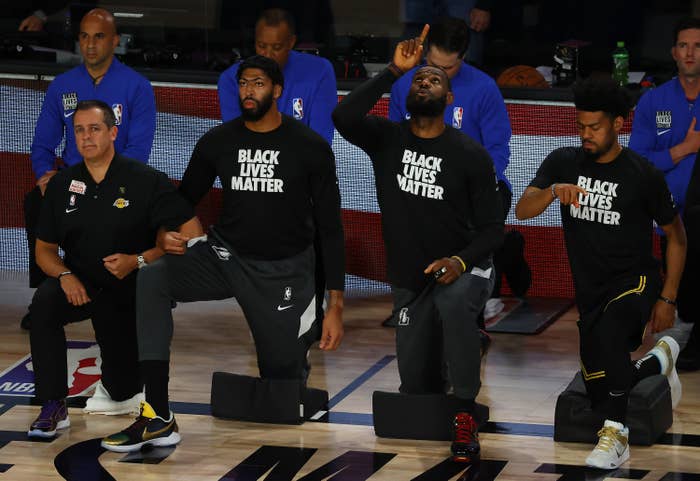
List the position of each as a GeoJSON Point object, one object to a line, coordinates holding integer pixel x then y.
{"type": "Point", "coordinates": [666, 351]}
{"type": "Point", "coordinates": [612, 449]}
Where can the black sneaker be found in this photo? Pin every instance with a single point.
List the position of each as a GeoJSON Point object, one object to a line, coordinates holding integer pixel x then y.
{"type": "Point", "coordinates": [53, 416]}
{"type": "Point", "coordinates": [465, 440]}
{"type": "Point", "coordinates": [147, 429]}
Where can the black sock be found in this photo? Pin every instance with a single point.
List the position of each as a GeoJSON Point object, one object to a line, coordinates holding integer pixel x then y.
{"type": "Point", "coordinates": [465, 406]}
{"type": "Point", "coordinates": [647, 366]}
{"type": "Point", "coordinates": [617, 406]}
{"type": "Point", "coordinates": [156, 377]}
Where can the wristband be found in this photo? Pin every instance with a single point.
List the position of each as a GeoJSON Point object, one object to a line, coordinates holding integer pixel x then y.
{"type": "Point", "coordinates": [667, 300]}
{"type": "Point", "coordinates": [464, 266]}
{"type": "Point", "coordinates": [64, 273]}
{"type": "Point", "coordinates": [554, 194]}
{"type": "Point", "coordinates": [394, 69]}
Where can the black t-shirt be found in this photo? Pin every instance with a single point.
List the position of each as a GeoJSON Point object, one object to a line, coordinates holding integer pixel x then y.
{"type": "Point", "coordinates": [278, 187]}
{"type": "Point", "coordinates": [609, 236]}
{"type": "Point", "coordinates": [121, 214]}
{"type": "Point", "coordinates": [438, 197]}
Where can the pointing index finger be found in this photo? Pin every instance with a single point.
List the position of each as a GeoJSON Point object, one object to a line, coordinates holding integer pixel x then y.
{"type": "Point", "coordinates": [423, 34]}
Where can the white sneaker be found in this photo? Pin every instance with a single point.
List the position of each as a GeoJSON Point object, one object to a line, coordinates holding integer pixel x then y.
{"type": "Point", "coordinates": [666, 351]}
{"type": "Point", "coordinates": [102, 403]}
{"type": "Point", "coordinates": [493, 307]}
{"type": "Point", "coordinates": [612, 449]}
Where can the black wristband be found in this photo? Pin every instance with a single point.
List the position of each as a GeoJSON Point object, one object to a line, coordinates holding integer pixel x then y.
{"type": "Point", "coordinates": [395, 70]}
{"type": "Point", "coordinates": [667, 300]}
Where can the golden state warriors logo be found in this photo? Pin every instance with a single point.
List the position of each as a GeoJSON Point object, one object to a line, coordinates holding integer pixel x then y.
{"type": "Point", "coordinates": [120, 203]}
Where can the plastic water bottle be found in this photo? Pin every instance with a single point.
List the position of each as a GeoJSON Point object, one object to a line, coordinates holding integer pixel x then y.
{"type": "Point", "coordinates": [621, 62]}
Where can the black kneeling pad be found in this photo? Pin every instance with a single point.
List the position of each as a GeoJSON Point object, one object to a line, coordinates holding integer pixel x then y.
{"type": "Point", "coordinates": [280, 401]}
{"type": "Point", "coordinates": [418, 416]}
{"type": "Point", "coordinates": [649, 412]}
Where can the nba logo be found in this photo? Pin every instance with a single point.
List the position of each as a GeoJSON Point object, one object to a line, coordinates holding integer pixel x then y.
{"type": "Point", "coordinates": [457, 113]}
{"type": "Point", "coordinates": [117, 109]}
{"type": "Point", "coordinates": [298, 108]}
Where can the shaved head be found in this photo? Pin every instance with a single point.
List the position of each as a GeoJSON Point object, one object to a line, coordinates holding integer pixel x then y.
{"type": "Point", "coordinates": [102, 15]}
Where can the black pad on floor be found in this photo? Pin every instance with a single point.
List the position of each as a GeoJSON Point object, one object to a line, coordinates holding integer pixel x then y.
{"type": "Point", "coordinates": [418, 416]}
{"type": "Point", "coordinates": [280, 401]}
{"type": "Point", "coordinates": [530, 315]}
{"type": "Point", "coordinates": [649, 413]}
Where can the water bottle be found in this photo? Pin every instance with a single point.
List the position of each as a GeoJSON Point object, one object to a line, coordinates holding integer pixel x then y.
{"type": "Point", "coordinates": [621, 62]}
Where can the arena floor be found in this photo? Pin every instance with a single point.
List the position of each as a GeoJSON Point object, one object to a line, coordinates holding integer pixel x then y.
{"type": "Point", "coordinates": [522, 377]}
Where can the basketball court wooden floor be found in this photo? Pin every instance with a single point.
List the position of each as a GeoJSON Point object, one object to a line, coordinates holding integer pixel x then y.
{"type": "Point", "coordinates": [522, 376]}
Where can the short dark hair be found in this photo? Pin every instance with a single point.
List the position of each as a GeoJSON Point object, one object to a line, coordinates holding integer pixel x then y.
{"type": "Point", "coordinates": [442, 72]}
{"type": "Point", "coordinates": [267, 65]}
{"type": "Point", "coordinates": [107, 113]}
{"type": "Point", "coordinates": [596, 94]}
{"type": "Point", "coordinates": [277, 16]}
{"type": "Point", "coordinates": [450, 35]}
{"type": "Point", "coordinates": [685, 24]}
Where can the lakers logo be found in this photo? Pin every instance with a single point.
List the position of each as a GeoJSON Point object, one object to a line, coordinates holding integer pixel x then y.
{"type": "Point", "coordinates": [120, 203]}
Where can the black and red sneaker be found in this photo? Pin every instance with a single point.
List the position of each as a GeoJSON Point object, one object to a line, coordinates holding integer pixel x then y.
{"type": "Point", "coordinates": [465, 439]}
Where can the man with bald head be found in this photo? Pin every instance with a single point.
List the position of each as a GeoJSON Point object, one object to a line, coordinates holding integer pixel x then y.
{"type": "Point", "coordinates": [100, 77]}
{"type": "Point", "coordinates": [309, 93]}
{"type": "Point", "coordinates": [441, 220]}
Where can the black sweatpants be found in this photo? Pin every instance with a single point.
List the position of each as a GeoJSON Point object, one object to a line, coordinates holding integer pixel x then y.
{"type": "Point", "coordinates": [32, 209]}
{"type": "Point", "coordinates": [440, 323]}
{"type": "Point", "coordinates": [610, 332]}
{"type": "Point", "coordinates": [113, 318]}
{"type": "Point", "coordinates": [277, 298]}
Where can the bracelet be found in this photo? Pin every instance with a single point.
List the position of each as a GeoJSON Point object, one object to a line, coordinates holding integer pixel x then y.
{"type": "Point", "coordinates": [667, 300]}
{"type": "Point", "coordinates": [64, 273]}
{"type": "Point", "coordinates": [464, 266]}
{"type": "Point", "coordinates": [394, 69]}
{"type": "Point", "coordinates": [554, 194]}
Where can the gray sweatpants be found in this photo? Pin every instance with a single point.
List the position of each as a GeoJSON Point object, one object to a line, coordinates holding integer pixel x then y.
{"type": "Point", "coordinates": [277, 298]}
{"type": "Point", "coordinates": [440, 324]}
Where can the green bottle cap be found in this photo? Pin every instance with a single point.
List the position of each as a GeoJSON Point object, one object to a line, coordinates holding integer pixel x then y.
{"type": "Point", "coordinates": [620, 44]}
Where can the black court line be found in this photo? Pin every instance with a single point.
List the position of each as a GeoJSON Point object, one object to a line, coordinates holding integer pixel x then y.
{"type": "Point", "coordinates": [347, 390]}
{"type": "Point", "coordinates": [365, 419]}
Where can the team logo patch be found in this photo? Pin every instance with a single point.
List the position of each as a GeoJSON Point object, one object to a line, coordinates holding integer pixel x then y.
{"type": "Point", "coordinates": [71, 202]}
{"type": "Point", "coordinates": [70, 102]}
{"type": "Point", "coordinates": [287, 294]}
{"type": "Point", "coordinates": [403, 317]}
{"type": "Point", "coordinates": [117, 109]}
{"type": "Point", "coordinates": [457, 114]}
{"type": "Point", "coordinates": [77, 186]}
{"type": "Point", "coordinates": [221, 252]}
{"type": "Point", "coordinates": [83, 371]}
{"type": "Point", "coordinates": [298, 108]}
{"type": "Point", "coordinates": [120, 203]}
{"type": "Point", "coordinates": [663, 119]}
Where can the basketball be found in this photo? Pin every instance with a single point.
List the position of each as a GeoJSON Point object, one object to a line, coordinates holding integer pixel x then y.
{"type": "Point", "coordinates": [521, 76]}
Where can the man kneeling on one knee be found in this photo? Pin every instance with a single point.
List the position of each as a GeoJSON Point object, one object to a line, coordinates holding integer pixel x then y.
{"type": "Point", "coordinates": [104, 213]}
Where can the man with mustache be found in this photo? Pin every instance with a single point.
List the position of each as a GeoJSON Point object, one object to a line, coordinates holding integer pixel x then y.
{"type": "Point", "coordinates": [610, 198]}
{"type": "Point", "coordinates": [442, 220]}
{"type": "Point", "coordinates": [279, 187]}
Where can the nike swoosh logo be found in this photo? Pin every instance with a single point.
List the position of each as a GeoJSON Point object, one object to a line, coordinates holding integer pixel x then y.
{"type": "Point", "coordinates": [662, 132]}
{"type": "Point", "coordinates": [281, 308]}
{"type": "Point", "coordinates": [148, 435]}
{"type": "Point", "coordinates": [68, 211]}
{"type": "Point", "coordinates": [66, 115]}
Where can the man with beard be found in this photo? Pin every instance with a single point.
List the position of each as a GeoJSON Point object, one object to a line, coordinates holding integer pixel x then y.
{"type": "Point", "coordinates": [441, 221]}
{"type": "Point", "coordinates": [279, 186]}
{"type": "Point", "coordinates": [666, 131]}
{"type": "Point", "coordinates": [610, 197]}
